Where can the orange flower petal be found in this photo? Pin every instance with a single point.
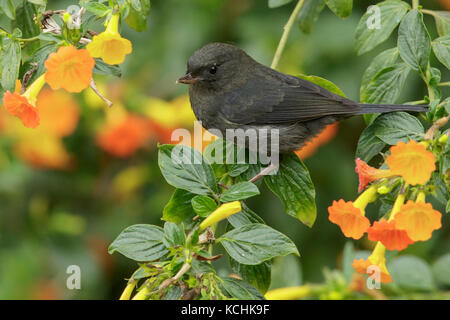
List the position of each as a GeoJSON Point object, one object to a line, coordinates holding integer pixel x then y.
{"type": "Point", "coordinates": [419, 220]}
{"type": "Point", "coordinates": [387, 233]}
{"type": "Point", "coordinates": [350, 219]}
{"type": "Point", "coordinates": [412, 161]}
{"type": "Point", "coordinates": [125, 138]}
{"type": "Point", "coordinates": [59, 112]}
{"type": "Point", "coordinates": [367, 174]}
{"type": "Point", "coordinates": [69, 68]}
{"type": "Point", "coordinates": [362, 265]}
{"type": "Point", "coordinates": [19, 106]}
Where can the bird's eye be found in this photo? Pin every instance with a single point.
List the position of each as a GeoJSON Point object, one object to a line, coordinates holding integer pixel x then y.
{"type": "Point", "coordinates": [213, 70]}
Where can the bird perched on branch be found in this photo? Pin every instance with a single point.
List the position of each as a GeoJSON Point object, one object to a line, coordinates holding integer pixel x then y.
{"type": "Point", "coordinates": [230, 90]}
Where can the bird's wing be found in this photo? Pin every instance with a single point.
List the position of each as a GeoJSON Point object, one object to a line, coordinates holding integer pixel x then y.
{"type": "Point", "coordinates": [278, 98]}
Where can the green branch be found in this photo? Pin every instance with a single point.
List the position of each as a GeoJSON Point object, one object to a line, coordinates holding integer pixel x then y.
{"type": "Point", "coordinates": [285, 35]}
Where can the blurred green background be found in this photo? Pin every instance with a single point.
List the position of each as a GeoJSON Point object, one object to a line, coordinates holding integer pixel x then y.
{"type": "Point", "coordinates": [50, 219]}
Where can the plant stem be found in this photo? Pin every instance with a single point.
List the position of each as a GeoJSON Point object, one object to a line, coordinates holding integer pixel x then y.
{"type": "Point", "coordinates": [185, 268]}
{"type": "Point", "coordinates": [415, 4]}
{"type": "Point", "coordinates": [444, 84]}
{"type": "Point", "coordinates": [430, 12]}
{"type": "Point", "coordinates": [94, 88]}
{"type": "Point", "coordinates": [285, 35]}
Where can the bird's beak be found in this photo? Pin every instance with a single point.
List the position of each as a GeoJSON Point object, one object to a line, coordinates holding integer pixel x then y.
{"type": "Point", "coordinates": [188, 79]}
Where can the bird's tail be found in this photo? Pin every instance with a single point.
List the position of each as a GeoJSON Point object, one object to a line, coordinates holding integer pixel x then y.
{"type": "Point", "coordinates": [382, 108]}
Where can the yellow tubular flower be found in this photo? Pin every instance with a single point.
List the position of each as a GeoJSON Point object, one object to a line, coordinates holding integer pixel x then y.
{"type": "Point", "coordinates": [142, 294]}
{"type": "Point", "coordinates": [397, 205]}
{"type": "Point", "coordinates": [34, 89]}
{"type": "Point", "coordinates": [109, 45]}
{"type": "Point", "coordinates": [126, 294]}
{"type": "Point", "coordinates": [288, 293]}
{"type": "Point", "coordinates": [378, 259]}
{"type": "Point", "coordinates": [365, 198]}
{"type": "Point", "coordinates": [222, 212]}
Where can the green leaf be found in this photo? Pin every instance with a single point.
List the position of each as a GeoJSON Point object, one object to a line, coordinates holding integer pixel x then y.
{"type": "Point", "coordinates": [179, 208]}
{"type": "Point", "coordinates": [136, 20]}
{"type": "Point", "coordinates": [414, 44]}
{"type": "Point", "coordinates": [105, 69]}
{"type": "Point", "coordinates": [386, 86]}
{"type": "Point", "coordinates": [342, 8]}
{"type": "Point", "coordinates": [324, 83]}
{"type": "Point", "coordinates": [241, 290]}
{"type": "Point", "coordinates": [38, 2]}
{"type": "Point", "coordinates": [309, 14]}
{"type": "Point", "coordinates": [39, 58]}
{"type": "Point", "coordinates": [447, 207]}
{"type": "Point", "coordinates": [239, 191]}
{"type": "Point", "coordinates": [441, 48]}
{"type": "Point", "coordinates": [367, 35]}
{"type": "Point", "coordinates": [10, 64]}
{"type": "Point", "coordinates": [136, 4]}
{"type": "Point", "coordinates": [441, 270]}
{"type": "Point", "coordinates": [369, 145]}
{"type": "Point", "coordinates": [172, 293]}
{"type": "Point", "coordinates": [253, 244]}
{"type": "Point", "coordinates": [201, 267]}
{"type": "Point", "coordinates": [246, 216]}
{"type": "Point", "coordinates": [398, 126]}
{"type": "Point", "coordinates": [97, 8]}
{"type": "Point", "coordinates": [258, 275]}
{"type": "Point", "coordinates": [145, 7]}
{"type": "Point", "coordinates": [293, 185]}
{"type": "Point", "coordinates": [8, 8]}
{"type": "Point", "coordinates": [185, 168]}
{"type": "Point", "coordinates": [238, 168]}
{"type": "Point", "coordinates": [411, 273]}
{"type": "Point", "coordinates": [173, 235]}
{"type": "Point", "coordinates": [278, 3]}
{"type": "Point", "coordinates": [383, 60]}
{"type": "Point", "coordinates": [203, 205]}
{"type": "Point", "coordinates": [442, 19]}
{"type": "Point", "coordinates": [25, 20]}
{"type": "Point", "coordinates": [140, 242]}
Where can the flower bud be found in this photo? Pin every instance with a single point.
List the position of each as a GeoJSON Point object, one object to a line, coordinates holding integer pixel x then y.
{"type": "Point", "coordinates": [222, 212]}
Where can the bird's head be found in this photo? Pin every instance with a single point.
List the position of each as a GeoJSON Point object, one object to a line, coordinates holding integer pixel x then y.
{"type": "Point", "coordinates": [214, 65]}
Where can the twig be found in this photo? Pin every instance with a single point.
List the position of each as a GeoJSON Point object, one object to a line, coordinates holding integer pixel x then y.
{"type": "Point", "coordinates": [191, 294]}
{"type": "Point", "coordinates": [285, 35]}
{"type": "Point", "coordinates": [220, 184]}
{"type": "Point", "coordinates": [435, 127]}
{"type": "Point", "coordinates": [185, 268]}
{"type": "Point", "coordinates": [94, 87]}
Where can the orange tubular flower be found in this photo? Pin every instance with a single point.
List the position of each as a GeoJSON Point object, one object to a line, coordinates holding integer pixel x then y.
{"type": "Point", "coordinates": [69, 68]}
{"type": "Point", "coordinates": [367, 174]}
{"type": "Point", "coordinates": [350, 216]}
{"type": "Point", "coordinates": [389, 235]}
{"type": "Point", "coordinates": [109, 45]}
{"type": "Point", "coordinates": [60, 112]}
{"type": "Point", "coordinates": [24, 106]}
{"type": "Point", "coordinates": [412, 161]}
{"type": "Point", "coordinates": [418, 219]}
{"type": "Point", "coordinates": [386, 232]}
{"type": "Point", "coordinates": [376, 259]}
{"type": "Point", "coordinates": [124, 138]}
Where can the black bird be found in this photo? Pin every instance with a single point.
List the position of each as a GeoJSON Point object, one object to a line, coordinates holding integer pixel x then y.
{"type": "Point", "coordinates": [230, 90]}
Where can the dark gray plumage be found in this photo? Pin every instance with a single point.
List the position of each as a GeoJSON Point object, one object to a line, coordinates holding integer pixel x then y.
{"type": "Point", "coordinates": [229, 90]}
